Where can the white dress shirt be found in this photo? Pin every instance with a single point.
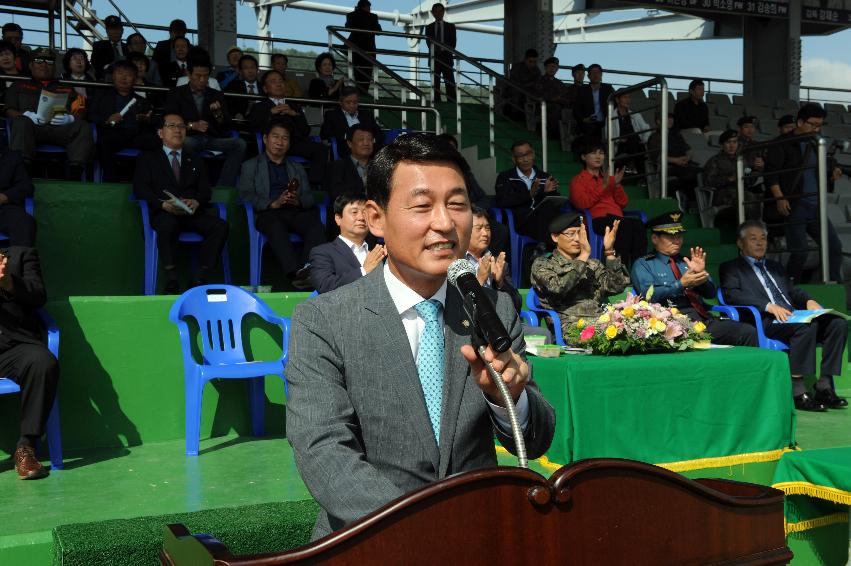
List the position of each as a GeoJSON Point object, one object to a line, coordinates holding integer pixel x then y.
{"type": "Point", "coordinates": [351, 119]}
{"type": "Point", "coordinates": [249, 86]}
{"type": "Point", "coordinates": [405, 299]}
{"type": "Point", "coordinates": [528, 180]}
{"type": "Point", "coordinates": [360, 251]}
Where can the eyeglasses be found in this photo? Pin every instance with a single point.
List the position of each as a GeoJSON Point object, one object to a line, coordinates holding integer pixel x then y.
{"type": "Point", "coordinates": [44, 61]}
{"type": "Point", "coordinates": [171, 126]}
{"type": "Point", "coordinates": [572, 234]}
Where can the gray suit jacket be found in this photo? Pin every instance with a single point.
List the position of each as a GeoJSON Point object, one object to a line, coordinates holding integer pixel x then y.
{"type": "Point", "coordinates": [356, 415]}
{"type": "Point", "coordinates": [254, 182]}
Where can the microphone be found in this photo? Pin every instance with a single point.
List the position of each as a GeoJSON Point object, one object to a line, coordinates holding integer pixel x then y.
{"type": "Point", "coordinates": [462, 276]}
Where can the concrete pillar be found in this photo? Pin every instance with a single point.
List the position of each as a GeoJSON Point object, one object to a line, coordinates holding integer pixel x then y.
{"type": "Point", "coordinates": [772, 56]}
{"type": "Point", "coordinates": [527, 24]}
{"type": "Point", "coordinates": [217, 28]}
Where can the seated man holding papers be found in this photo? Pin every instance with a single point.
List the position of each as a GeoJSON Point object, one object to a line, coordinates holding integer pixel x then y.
{"type": "Point", "coordinates": [753, 280]}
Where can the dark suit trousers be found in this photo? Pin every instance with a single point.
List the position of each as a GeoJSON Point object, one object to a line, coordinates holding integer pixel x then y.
{"type": "Point", "coordinates": [205, 222]}
{"type": "Point", "coordinates": [363, 71]}
{"type": "Point", "coordinates": [277, 225]}
{"type": "Point", "coordinates": [113, 140]}
{"type": "Point", "coordinates": [631, 241]}
{"type": "Point", "coordinates": [444, 66]}
{"type": "Point", "coordinates": [829, 331]}
{"type": "Point", "coordinates": [534, 223]}
{"type": "Point", "coordinates": [36, 372]}
{"type": "Point", "coordinates": [18, 225]}
{"type": "Point", "coordinates": [804, 220]}
{"type": "Point", "coordinates": [317, 153]}
{"type": "Point", "coordinates": [726, 331]}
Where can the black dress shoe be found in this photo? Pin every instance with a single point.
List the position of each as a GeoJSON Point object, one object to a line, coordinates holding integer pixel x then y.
{"type": "Point", "coordinates": [804, 402]}
{"type": "Point", "coordinates": [830, 399]}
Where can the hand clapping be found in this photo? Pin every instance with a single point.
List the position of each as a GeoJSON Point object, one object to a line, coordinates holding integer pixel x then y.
{"type": "Point", "coordinates": [609, 236]}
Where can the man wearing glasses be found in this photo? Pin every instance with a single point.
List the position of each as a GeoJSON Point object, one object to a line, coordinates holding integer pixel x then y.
{"type": "Point", "coordinates": [61, 128]}
{"type": "Point", "coordinates": [796, 191]}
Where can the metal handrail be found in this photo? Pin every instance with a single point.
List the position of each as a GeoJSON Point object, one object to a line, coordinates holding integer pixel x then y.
{"type": "Point", "coordinates": [821, 168]}
{"type": "Point", "coordinates": [663, 128]}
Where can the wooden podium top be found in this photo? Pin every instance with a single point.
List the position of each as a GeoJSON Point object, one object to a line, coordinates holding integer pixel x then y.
{"type": "Point", "coordinates": [599, 511]}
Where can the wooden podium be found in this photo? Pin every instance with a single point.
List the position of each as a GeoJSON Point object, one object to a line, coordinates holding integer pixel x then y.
{"type": "Point", "coordinates": [599, 511]}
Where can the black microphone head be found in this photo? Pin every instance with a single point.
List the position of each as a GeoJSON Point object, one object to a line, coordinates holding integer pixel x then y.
{"type": "Point", "coordinates": [458, 268]}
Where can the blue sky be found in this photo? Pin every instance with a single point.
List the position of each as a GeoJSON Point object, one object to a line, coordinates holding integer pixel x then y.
{"type": "Point", "coordinates": [826, 60]}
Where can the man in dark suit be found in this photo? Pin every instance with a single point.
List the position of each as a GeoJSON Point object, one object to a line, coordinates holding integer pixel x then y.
{"type": "Point", "coordinates": [121, 125]}
{"type": "Point", "coordinates": [338, 120]}
{"type": "Point", "coordinates": [23, 356]}
{"type": "Point", "coordinates": [361, 18]}
{"type": "Point", "coordinates": [173, 70]}
{"type": "Point", "coordinates": [15, 186]}
{"type": "Point", "coordinates": [384, 383]}
{"type": "Point", "coordinates": [444, 61]}
{"type": "Point", "coordinates": [522, 188]}
{"type": "Point", "coordinates": [246, 83]}
{"type": "Point", "coordinates": [207, 120]}
{"type": "Point", "coordinates": [173, 168]}
{"type": "Point", "coordinates": [164, 51]}
{"type": "Point", "coordinates": [347, 257]}
{"type": "Point", "coordinates": [591, 106]}
{"type": "Point", "coordinates": [108, 51]}
{"type": "Point", "coordinates": [347, 175]}
{"type": "Point", "coordinates": [283, 203]}
{"type": "Point", "coordinates": [275, 106]}
{"type": "Point", "coordinates": [753, 280]}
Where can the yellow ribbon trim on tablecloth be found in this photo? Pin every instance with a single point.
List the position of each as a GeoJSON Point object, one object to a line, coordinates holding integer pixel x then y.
{"type": "Point", "coordinates": [802, 526]}
{"type": "Point", "coordinates": [688, 465]}
{"type": "Point", "coordinates": [820, 491]}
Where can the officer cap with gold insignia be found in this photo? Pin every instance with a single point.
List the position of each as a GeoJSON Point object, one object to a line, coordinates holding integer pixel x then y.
{"type": "Point", "coordinates": [668, 223]}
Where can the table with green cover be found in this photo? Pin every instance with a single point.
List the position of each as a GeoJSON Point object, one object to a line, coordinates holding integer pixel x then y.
{"type": "Point", "coordinates": [688, 410]}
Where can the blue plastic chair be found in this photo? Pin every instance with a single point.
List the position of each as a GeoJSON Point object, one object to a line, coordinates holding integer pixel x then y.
{"type": "Point", "coordinates": [726, 310]}
{"type": "Point", "coordinates": [29, 206]}
{"type": "Point", "coordinates": [764, 341]}
{"type": "Point", "coordinates": [518, 243]}
{"type": "Point", "coordinates": [54, 430]}
{"type": "Point", "coordinates": [44, 148]}
{"type": "Point", "coordinates": [152, 254]}
{"type": "Point", "coordinates": [256, 241]}
{"type": "Point", "coordinates": [128, 152]}
{"type": "Point", "coordinates": [533, 303]}
{"type": "Point", "coordinates": [530, 318]}
{"type": "Point", "coordinates": [394, 133]}
{"type": "Point", "coordinates": [219, 311]}
{"type": "Point", "coordinates": [335, 151]}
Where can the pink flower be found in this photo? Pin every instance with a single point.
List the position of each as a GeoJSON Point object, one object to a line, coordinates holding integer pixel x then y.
{"type": "Point", "coordinates": [587, 333]}
{"type": "Point", "coordinates": [673, 331]}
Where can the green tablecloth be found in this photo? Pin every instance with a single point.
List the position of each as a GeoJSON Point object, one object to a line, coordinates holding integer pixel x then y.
{"type": "Point", "coordinates": [731, 405]}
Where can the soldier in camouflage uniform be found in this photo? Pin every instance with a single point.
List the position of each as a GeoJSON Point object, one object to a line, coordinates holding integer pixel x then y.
{"type": "Point", "coordinates": [571, 283]}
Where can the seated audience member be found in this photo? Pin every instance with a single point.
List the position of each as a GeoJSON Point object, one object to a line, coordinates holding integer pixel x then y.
{"type": "Point", "coordinates": [720, 173]}
{"type": "Point", "coordinates": [15, 187]}
{"type": "Point", "coordinates": [280, 193]}
{"type": "Point", "coordinates": [692, 112]}
{"type": "Point", "coordinates": [275, 106]}
{"type": "Point", "coordinates": [121, 125]}
{"type": "Point", "coordinates": [77, 68]}
{"type": "Point", "coordinates": [65, 129]}
{"type": "Point", "coordinates": [157, 99]}
{"type": "Point", "coordinates": [14, 34]}
{"type": "Point", "coordinates": [499, 236]}
{"type": "Point", "coordinates": [578, 73]}
{"type": "Point", "coordinates": [232, 72]}
{"type": "Point", "coordinates": [348, 175]}
{"type": "Point", "coordinates": [491, 267]}
{"type": "Point", "coordinates": [136, 44]}
{"type": "Point", "coordinates": [339, 119]}
{"type": "Point", "coordinates": [633, 125]}
{"type": "Point", "coordinates": [682, 171]}
{"type": "Point", "coordinates": [23, 356]}
{"type": "Point", "coordinates": [325, 86]}
{"type": "Point", "coordinates": [107, 51]}
{"type": "Point", "coordinates": [7, 66]}
{"type": "Point", "coordinates": [347, 257]}
{"type": "Point", "coordinates": [280, 62]}
{"type": "Point", "coordinates": [785, 124]}
{"type": "Point", "coordinates": [175, 169]}
{"type": "Point", "coordinates": [207, 119]}
{"type": "Point", "coordinates": [753, 280]}
{"type": "Point", "coordinates": [245, 84]}
{"type": "Point", "coordinates": [784, 178]}
{"type": "Point", "coordinates": [554, 92]}
{"type": "Point", "coordinates": [681, 281]}
{"type": "Point", "coordinates": [164, 51]}
{"type": "Point", "coordinates": [604, 197]}
{"type": "Point", "coordinates": [569, 281]}
{"type": "Point", "coordinates": [199, 54]}
{"type": "Point", "coordinates": [522, 188]}
{"type": "Point", "coordinates": [172, 70]}
{"type": "Point", "coordinates": [525, 74]}
{"type": "Point", "coordinates": [591, 106]}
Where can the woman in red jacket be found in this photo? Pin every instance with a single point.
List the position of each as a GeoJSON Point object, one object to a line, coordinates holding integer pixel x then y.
{"type": "Point", "coordinates": [605, 199]}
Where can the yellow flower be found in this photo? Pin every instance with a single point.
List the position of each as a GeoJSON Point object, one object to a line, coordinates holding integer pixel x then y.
{"type": "Point", "coordinates": [580, 323]}
{"type": "Point", "coordinates": [699, 327]}
{"type": "Point", "coordinates": [603, 318]}
{"type": "Point", "coordinates": [659, 326]}
{"type": "Point", "coordinates": [611, 332]}
{"type": "Point", "coordinates": [675, 310]}
{"type": "Point", "coordinates": [642, 304]}
{"type": "Point", "coordinates": [628, 312]}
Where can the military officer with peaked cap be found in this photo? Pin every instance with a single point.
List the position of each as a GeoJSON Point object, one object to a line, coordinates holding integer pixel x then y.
{"type": "Point", "coordinates": [683, 281]}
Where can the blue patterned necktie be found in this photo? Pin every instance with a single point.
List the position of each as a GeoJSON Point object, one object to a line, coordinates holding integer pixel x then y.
{"type": "Point", "coordinates": [430, 362]}
{"type": "Point", "coordinates": [777, 296]}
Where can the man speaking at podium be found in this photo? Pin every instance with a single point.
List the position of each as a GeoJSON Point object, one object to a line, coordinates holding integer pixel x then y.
{"type": "Point", "coordinates": [386, 394]}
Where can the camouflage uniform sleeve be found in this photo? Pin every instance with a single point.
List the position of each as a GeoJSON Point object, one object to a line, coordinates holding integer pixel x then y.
{"type": "Point", "coordinates": [613, 276]}
{"type": "Point", "coordinates": [550, 277]}
{"type": "Point", "coordinates": [712, 173]}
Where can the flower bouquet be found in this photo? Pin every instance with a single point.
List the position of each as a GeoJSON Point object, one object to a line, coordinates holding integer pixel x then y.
{"type": "Point", "coordinates": [637, 326]}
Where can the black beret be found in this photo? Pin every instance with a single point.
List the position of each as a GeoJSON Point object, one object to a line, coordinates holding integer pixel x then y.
{"type": "Point", "coordinates": [112, 22]}
{"type": "Point", "coordinates": [785, 120]}
{"type": "Point", "coordinates": [746, 120]}
{"type": "Point", "coordinates": [727, 136]}
{"type": "Point", "coordinates": [564, 221]}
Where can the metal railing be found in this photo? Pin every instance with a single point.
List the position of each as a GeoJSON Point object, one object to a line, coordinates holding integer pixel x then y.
{"type": "Point", "coordinates": [612, 116]}
{"type": "Point", "coordinates": [821, 172]}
